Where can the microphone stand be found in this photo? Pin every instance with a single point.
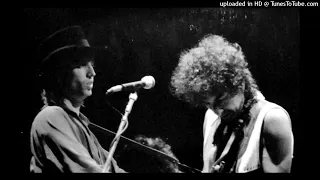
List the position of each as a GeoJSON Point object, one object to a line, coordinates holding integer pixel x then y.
{"type": "Point", "coordinates": [122, 127]}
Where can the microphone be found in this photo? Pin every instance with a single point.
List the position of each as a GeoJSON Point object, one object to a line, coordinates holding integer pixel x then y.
{"type": "Point", "coordinates": [147, 82]}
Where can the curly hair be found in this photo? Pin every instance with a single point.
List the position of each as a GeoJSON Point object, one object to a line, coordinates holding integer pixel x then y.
{"type": "Point", "coordinates": [164, 165]}
{"type": "Point", "coordinates": [213, 67]}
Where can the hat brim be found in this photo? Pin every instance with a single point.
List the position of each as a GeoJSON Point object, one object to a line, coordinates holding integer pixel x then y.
{"type": "Point", "coordinates": [70, 52]}
{"type": "Point", "coordinates": [67, 58]}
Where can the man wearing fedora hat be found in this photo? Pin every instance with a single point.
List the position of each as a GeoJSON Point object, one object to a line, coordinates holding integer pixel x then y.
{"type": "Point", "coordinates": [60, 138]}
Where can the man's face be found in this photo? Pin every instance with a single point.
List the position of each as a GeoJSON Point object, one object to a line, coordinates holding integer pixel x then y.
{"type": "Point", "coordinates": [82, 81]}
{"type": "Point", "coordinates": [228, 109]}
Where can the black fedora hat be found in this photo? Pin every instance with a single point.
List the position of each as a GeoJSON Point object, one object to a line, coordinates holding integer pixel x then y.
{"type": "Point", "coordinates": [63, 47]}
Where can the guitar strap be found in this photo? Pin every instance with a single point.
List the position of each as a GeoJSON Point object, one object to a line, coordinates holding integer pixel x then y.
{"type": "Point", "coordinates": [218, 165]}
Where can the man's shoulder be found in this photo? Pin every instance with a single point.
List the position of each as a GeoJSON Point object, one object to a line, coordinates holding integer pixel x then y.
{"type": "Point", "coordinates": [274, 110]}
{"type": "Point", "coordinates": [277, 115]}
{"type": "Point", "coordinates": [50, 110]}
{"type": "Point", "coordinates": [263, 103]}
{"type": "Point", "coordinates": [276, 118]}
{"type": "Point", "coordinates": [272, 113]}
{"type": "Point", "coordinates": [48, 113]}
{"type": "Point", "coordinates": [48, 117]}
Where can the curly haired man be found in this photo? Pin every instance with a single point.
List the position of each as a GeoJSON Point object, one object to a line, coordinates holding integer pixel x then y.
{"type": "Point", "coordinates": [243, 132]}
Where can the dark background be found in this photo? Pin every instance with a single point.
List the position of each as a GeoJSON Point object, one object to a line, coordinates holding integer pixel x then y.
{"type": "Point", "coordinates": [148, 42]}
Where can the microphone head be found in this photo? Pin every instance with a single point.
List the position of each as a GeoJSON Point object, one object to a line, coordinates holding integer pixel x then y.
{"type": "Point", "coordinates": [149, 81]}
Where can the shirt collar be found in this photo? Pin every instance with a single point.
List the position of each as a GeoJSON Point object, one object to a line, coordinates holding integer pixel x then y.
{"type": "Point", "coordinates": [68, 108]}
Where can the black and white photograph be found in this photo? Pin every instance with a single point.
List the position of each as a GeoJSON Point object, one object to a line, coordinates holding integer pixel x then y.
{"type": "Point", "coordinates": [161, 90]}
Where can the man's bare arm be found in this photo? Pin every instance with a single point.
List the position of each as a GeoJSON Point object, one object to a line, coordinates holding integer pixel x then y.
{"type": "Point", "coordinates": [278, 138]}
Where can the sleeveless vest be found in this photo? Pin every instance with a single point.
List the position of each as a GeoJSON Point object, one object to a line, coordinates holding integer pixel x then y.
{"type": "Point", "coordinates": [250, 159]}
